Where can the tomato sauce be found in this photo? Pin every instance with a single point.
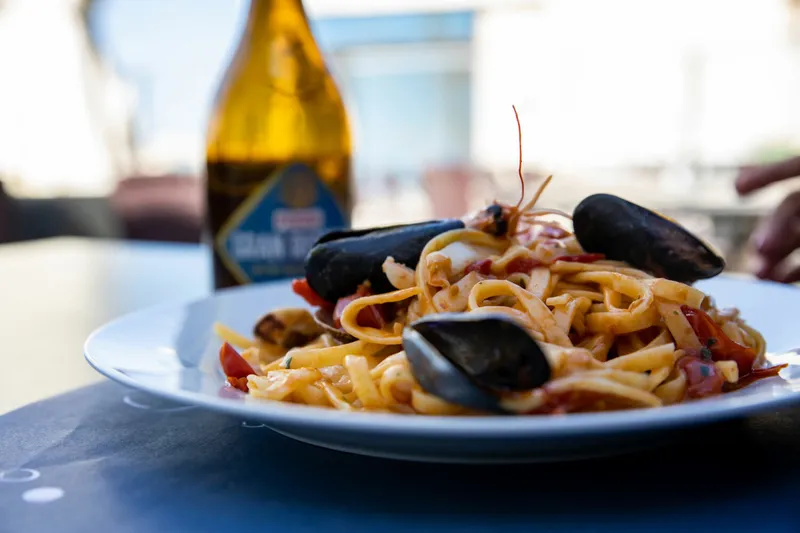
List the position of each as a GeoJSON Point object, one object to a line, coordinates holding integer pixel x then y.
{"type": "Point", "coordinates": [518, 264]}
{"type": "Point", "coordinates": [717, 346]}
{"type": "Point", "coordinates": [484, 267]}
{"type": "Point", "coordinates": [521, 264]}
{"type": "Point", "coordinates": [370, 317]}
{"type": "Point", "coordinates": [570, 401]}
{"type": "Point", "coordinates": [702, 377]}
{"type": "Point", "coordinates": [722, 348]}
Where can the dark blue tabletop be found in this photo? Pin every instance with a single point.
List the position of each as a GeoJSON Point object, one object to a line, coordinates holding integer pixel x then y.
{"type": "Point", "coordinates": [104, 458]}
{"type": "Point", "coordinates": [107, 459]}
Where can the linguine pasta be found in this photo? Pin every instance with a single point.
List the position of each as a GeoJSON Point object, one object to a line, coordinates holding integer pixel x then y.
{"type": "Point", "coordinates": [615, 337]}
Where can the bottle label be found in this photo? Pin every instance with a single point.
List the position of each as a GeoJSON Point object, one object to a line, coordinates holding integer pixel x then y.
{"type": "Point", "coordinates": [270, 233]}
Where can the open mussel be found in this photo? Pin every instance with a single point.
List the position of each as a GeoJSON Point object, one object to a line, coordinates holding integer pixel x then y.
{"type": "Point", "coordinates": [288, 327]}
{"type": "Point", "coordinates": [470, 359]}
{"type": "Point", "coordinates": [628, 232]}
{"type": "Point", "coordinates": [492, 220]}
{"type": "Point", "coordinates": [324, 319]}
{"type": "Point", "coordinates": [342, 260]}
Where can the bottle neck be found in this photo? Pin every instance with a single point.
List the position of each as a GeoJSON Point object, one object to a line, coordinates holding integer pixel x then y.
{"type": "Point", "coordinates": [265, 15]}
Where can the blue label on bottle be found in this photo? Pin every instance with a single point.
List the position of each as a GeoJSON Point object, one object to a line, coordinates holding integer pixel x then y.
{"type": "Point", "coordinates": [269, 235]}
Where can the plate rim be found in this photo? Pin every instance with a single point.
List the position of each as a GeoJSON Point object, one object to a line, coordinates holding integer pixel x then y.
{"type": "Point", "coordinates": [490, 426]}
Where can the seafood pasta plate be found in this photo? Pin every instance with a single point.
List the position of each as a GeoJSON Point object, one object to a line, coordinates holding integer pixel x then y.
{"type": "Point", "coordinates": [172, 352]}
{"type": "Point", "coordinates": [517, 332]}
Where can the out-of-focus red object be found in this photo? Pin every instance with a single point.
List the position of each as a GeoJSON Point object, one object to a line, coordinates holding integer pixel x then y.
{"type": "Point", "coordinates": [448, 190]}
{"type": "Point", "coordinates": [301, 288]}
{"type": "Point", "coordinates": [160, 208]}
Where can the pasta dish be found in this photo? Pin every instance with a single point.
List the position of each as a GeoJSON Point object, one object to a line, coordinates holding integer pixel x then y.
{"type": "Point", "coordinates": [516, 309]}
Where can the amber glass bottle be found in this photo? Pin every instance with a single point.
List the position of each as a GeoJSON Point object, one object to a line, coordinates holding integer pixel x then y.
{"type": "Point", "coordinates": [278, 150]}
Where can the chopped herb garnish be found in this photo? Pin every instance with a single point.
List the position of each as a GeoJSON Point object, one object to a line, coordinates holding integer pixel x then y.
{"type": "Point", "coordinates": [705, 353]}
{"type": "Point", "coordinates": [711, 342]}
{"type": "Point", "coordinates": [706, 371]}
{"type": "Point", "coordinates": [675, 313]}
{"type": "Point", "coordinates": [289, 363]}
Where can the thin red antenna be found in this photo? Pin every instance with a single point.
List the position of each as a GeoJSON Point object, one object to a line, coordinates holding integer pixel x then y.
{"type": "Point", "coordinates": [519, 171]}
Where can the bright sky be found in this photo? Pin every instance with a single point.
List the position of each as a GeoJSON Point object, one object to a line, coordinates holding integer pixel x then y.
{"type": "Point", "coordinates": [175, 51]}
{"type": "Point", "coordinates": [606, 100]}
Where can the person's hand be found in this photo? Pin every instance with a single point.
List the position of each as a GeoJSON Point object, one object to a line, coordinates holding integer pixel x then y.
{"type": "Point", "coordinates": [779, 235]}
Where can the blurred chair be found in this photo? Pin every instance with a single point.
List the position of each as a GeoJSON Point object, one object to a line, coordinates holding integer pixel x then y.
{"type": "Point", "coordinates": [25, 219]}
{"type": "Point", "coordinates": [5, 215]}
{"type": "Point", "coordinates": [162, 208]}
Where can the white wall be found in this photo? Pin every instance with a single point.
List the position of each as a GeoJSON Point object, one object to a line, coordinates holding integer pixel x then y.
{"type": "Point", "coordinates": [63, 114]}
{"type": "Point", "coordinates": [630, 82]}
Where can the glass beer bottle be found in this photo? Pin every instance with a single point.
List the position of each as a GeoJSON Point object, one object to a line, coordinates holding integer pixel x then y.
{"type": "Point", "coordinates": [278, 150]}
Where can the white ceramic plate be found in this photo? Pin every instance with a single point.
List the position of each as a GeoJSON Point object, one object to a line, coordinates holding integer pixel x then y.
{"type": "Point", "coordinates": [171, 352]}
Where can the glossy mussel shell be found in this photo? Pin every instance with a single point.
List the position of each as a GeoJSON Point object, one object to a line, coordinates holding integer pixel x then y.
{"type": "Point", "coordinates": [342, 260]}
{"type": "Point", "coordinates": [628, 232]}
{"type": "Point", "coordinates": [469, 359]}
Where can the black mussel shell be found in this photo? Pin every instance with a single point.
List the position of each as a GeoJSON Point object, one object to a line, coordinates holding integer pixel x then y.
{"type": "Point", "coordinates": [342, 260]}
{"type": "Point", "coordinates": [324, 318]}
{"type": "Point", "coordinates": [499, 222]}
{"type": "Point", "coordinates": [467, 359]}
{"type": "Point", "coordinates": [438, 376]}
{"type": "Point", "coordinates": [288, 327]}
{"type": "Point", "coordinates": [628, 232]}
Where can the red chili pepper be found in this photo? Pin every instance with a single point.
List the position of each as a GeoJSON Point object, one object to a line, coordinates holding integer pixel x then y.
{"type": "Point", "coordinates": [758, 373]}
{"type": "Point", "coordinates": [712, 337]}
{"type": "Point", "coordinates": [370, 317]}
{"type": "Point", "coordinates": [521, 264]}
{"type": "Point", "coordinates": [702, 377]}
{"type": "Point", "coordinates": [484, 266]}
{"type": "Point", "coordinates": [755, 375]}
{"type": "Point", "coordinates": [235, 367]}
{"type": "Point", "coordinates": [301, 288]}
{"type": "Point", "coordinates": [581, 258]}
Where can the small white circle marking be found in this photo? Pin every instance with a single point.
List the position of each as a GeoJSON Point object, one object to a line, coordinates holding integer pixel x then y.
{"type": "Point", "coordinates": [43, 494]}
{"type": "Point", "coordinates": [19, 475]}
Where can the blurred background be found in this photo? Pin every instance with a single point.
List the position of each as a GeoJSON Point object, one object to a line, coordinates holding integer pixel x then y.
{"type": "Point", "coordinates": [104, 104]}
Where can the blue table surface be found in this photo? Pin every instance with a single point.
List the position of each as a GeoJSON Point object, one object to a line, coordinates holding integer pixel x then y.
{"type": "Point", "coordinates": [117, 460]}
{"type": "Point", "coordinates": [105, 458]}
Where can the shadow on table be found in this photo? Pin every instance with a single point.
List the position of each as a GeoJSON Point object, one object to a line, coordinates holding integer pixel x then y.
{"type": "Point", "coordinates": [146, 468]}
{"type": "Point", "coordinates": [712, 465]}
